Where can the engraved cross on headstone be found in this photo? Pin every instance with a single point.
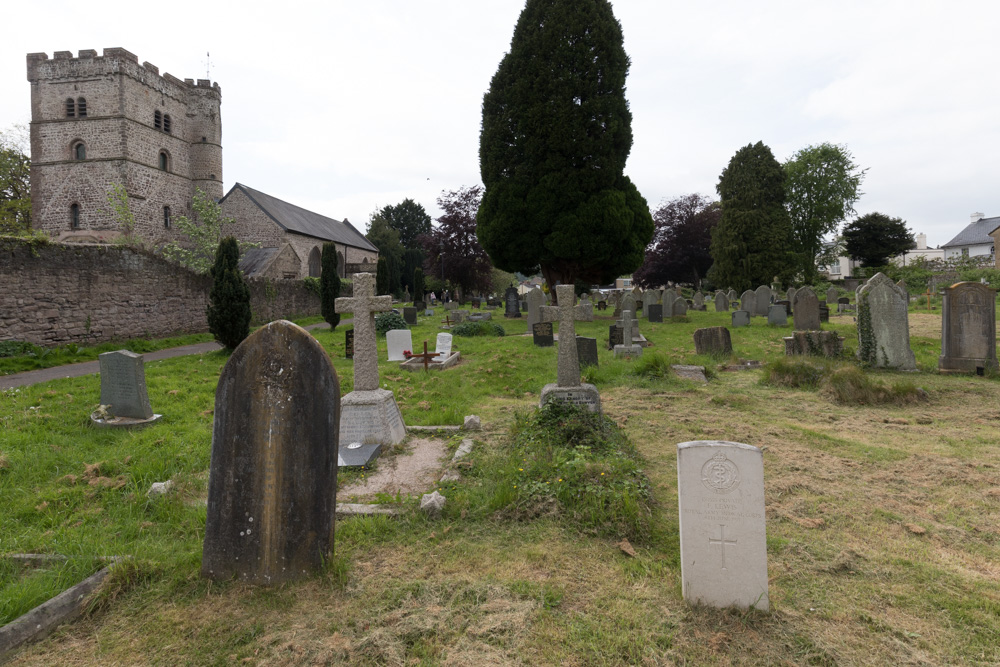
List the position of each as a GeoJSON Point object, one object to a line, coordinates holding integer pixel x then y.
{"type": "Point", "coordinates": [364, 304]}
{"type": "Point", "coordinates": [722, 542]}
{"type": "Point", "coordinates": [568, 363]}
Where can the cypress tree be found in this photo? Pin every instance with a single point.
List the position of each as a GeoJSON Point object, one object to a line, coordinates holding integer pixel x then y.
{"type": "Point", "coordinates": [555, 137]}
{"type": "Point", "coordinates": [418, 284]}
{"type": "Point", "coordinates": [753, 240]}
{"type": "Point", "coordinates": [329, 284]}
{"type": "Point", "coordinates": [381, 277]}
{"type": "Point", "coordinates": [228, 310]}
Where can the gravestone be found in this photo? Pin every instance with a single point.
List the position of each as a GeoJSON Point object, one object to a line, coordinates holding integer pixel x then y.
{"type": "Point", "coordinates": [791, 296]}
{"type": "Point", "coordinates": [628, 303]}
{"type": "Point", "coordinates": [273, 475]}
{"type": "Point", "coordinates": [816, 343]}
{"type": "Point", "coordinates": [679, 308]}
{"type": "Point", "coordinates": [410, 315]}
{"type": "Point", "coordinates": [627, 347]}
{"type": "Point", "coordinates": [443, 346]}
{"type": "Point", "coordinates": [720, 496]}
{"type": "Point", "coordinates": [732, 296]}
{"type": "Point", "coordinates": [805, 310]}
{"type": "Point", "coordinates": [698, 301]}
{"type": "Point", "coordinates": [824, 312]}
{"type": "Point", "coordinates": [713, 340]}
{"type": "Point", "coordinates": [586, 350]}
{"type": "Point", "coordinates": [902, 284]}
{"type": "Point", "coordinates": [761, 300]}
{"type": "Point", "coordinates": [740, 318]}
{"type": "Point", "coordinates": [349, 344]}
{"type": "Point", "coordinates": [568, 388]}
{"type": "Point", "coordinates": [586, 309]}
{"type": "Point", "coordinates": [541, 334]}
{"type": "Point", "coordinates": [616, 336]}
{"type": "Point", "coordinates": [602, 305]}
{"type": "Point", "coordinates": [396, 341]}
{"type": "Point", "coordinates": [884, 325]}
{"type": "Point", "coordinates": [787, 305]}
{"type": "Point", "coordinates": [459, 316]}
{"type": "Point", "coordinates": [776, 315]}
{"type": "Point", "coordinates": [748, 302]}
{"type": "Point", "coordinates": [655, 313]}
{"type": "Point", "coordinates": [968, 329]}
{"type": "Point", "coordinates": [512, 301]}
{"type": "Point", "coordinates": [535, 301]}
{"type": "Point", "coordinates": [721, 302]}
{"type": "Point", "coordinates": [370, 417]}
{"type": "Point", "coordinates": [406, 294]}
{"type": "Point", "coordinates": [123, 387]}
{"type": "Point", "coordinates": [832, 294]}
{"type": "Point", "coordinates": [420, 305]}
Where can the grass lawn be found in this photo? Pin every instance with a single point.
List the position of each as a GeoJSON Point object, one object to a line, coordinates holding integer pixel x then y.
{"type": "Point", "coordinates": [882, 519]}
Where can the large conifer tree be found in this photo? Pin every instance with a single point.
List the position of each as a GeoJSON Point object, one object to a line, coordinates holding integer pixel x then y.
{"type": "Point", "coordinates": [556, 134]}
{"type": "Point", "coordinates": [329, 285]}
{"type": "Point", "coordinates": [752, 242]}
{"type": "Point", "coordinates": [228, 310]}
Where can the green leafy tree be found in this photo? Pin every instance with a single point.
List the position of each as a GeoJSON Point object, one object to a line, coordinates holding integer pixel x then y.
{"type": "Point", "coordinates": [229, 301]}
{"type": "Point", "coordinates": [381, 277]}
{"type": "Point", "coordinates": [555, 136]}
{"type": "Point", "coordinates": [15, 183]}
{"type": "Point", "coordinates": [452, 248]}
{"type": "Point", "coordinates": [752, 242]}
{"type": "Point", "coordinates": [409, 219]}
{"type": "Point", "coordinates": [681, 249]}
{"type": "Point", "coordinates": [329, 284]}
{"type": "Point", "coordinates": [873, 238]}
{"type": "Point", "coordinates": [121, 211]}
{"type": "Point", "coordinates": [821, 187]}
{"type": "Point", "coordinates": [203, 236]}
{"type": "Point", "coordinates": [418, 284]}
{"type": "Point", "coordinates": [384, 237]}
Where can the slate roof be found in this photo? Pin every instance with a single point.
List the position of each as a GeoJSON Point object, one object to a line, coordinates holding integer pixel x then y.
{"type": "Point", "coordinates": [256, 260]}
{"type": "Point", "coordinates": [976, 233]}
{"type": "Point", "coordinates": [300, 221]}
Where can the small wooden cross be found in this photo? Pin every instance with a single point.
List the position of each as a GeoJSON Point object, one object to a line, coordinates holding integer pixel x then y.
{"type": "Point", "coordinates": [426, 356]}
{"type": "Point", "coordinates": [928, 294]}
{"type": "Point", "coordinates": [446, 321]}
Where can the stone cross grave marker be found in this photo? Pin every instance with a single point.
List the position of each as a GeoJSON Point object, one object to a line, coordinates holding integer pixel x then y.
{"type": "Point", "coordinates": [273, 474]}
{"type": "Point", "coordinates": [396, 341]}
{"type": "Point", "coordinates": [805, 310]}
{"type": "Point", "coordinates": [968, 329]}
{"type": "Point", "coordinates": [720, 495]}
{"type": "Point", "coordinates": [123, 386]}
{"type": "Point", "coordinates": [884, 325]}
{"type": "Point", "coordinates": [568, 388]}
{"type": "Point", "coordinates": [364, 304]}
{"type": "Point", "coordinates": [627, 348]}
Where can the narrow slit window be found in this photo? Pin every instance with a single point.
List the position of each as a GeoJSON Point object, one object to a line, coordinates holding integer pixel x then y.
{"type": "Point", "coordinates": [166, 217]}
{"type": "Point", "coordinates": [158, 120]}
{"type": "Point", "coordinates": [81, 107]}
{"type": "Point", "coordinates": [74, 216]}
{"type": "Point", "coordinates": [164, 162]}
{"type": "Point", "coordinates": [166, 123]}
{"type": "Point", "coordinates": [70, 108]}
{"type": "Point", "coordinates": [80, 151]}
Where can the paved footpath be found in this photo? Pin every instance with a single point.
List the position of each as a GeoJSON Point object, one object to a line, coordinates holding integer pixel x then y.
{"type": "Point", "coordinates": [90, 367]}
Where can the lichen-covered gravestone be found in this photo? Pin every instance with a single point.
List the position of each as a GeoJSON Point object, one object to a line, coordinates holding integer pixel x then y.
{"type": "Point", "coordinates": [884, 325]}
{"type": "Point", "coordinates": [273, 474]}
{"type": "Point", "coordinates": [720, 494]}
{"type": "Point", "coordinates": [968, 329]}
{"type": "Point", "coordinates": [805, 310]}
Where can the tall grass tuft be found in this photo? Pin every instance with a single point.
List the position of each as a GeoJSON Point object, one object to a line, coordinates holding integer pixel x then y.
{"type": "Point", "coordinates": [852, 386]}
{"type": "Point", "coordinates": [794, 373]}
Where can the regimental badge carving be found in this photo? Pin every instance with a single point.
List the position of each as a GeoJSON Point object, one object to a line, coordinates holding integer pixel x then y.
{"type": "Point", "coordinates": [720, 474]}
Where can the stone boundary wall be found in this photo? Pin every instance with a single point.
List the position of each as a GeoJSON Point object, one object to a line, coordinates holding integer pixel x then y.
{"type": "Point", "coordinates": [55, 294]}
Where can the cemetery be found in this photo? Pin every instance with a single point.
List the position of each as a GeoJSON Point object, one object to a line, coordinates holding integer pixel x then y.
{"type": "Point", "coordinates": [725, 501]}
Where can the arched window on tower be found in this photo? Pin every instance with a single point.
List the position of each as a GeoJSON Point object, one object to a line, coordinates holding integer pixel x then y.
{"type": "Point", "coordinates": [81, 107]}
{"type": "Point", "coordinates": [74, 216]}
{"type": "Point", "coordinates": [158, 120]}
{"type": "Point", "coordinates": [164, 161]}
{"type": "Point", "coordinates": [79, 151]}
{"type": "Point", "coordinates": [166, 217]}
{"type": "Point", "coordinates": [70, 108]}
{"type": "Point", "coordinates": [166, 123]}
{"type": "Point", "coordinates": [315, 263]}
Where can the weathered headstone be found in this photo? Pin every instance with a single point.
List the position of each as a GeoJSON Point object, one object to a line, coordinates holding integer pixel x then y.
{"type": "Point", "coordinates": [273, 474]}
{"type": "Point", "coordinates": [541, 334]}
{"type": "Point", "coordinates": [655, 313]}
{"type": "Point", "coordinates": [805, 310]}
{"type": "Point", "coordinates": [713, 340]}
{"type": "Point", "coordinates": [628, 303]}
{"type": "Point", "coordinates": [968, 329]}
{"type": "Point", "coordinates": [123, 386]}
{"type": "Point", "coordinates": [699, 301]}
{"type": "Point", "coordinates": [740, 318]}
{"type": "Point", "coordinates": [349, 344]}
{"type": "Point", "coordinates": [776, 315]}
{"type": "Point", "coordinates": [512, 301]}
{"type": "Point", "coordinates": [884, 325]}
{"type": "Point", "coordinates": [370, 416]}
{"type": "Point", "coordinates": [720, 494]}
{"type": "Point", "coordinates": [616, 336]}
{"type": "Point", "coordinates": [787, 304]}
{"type": "Point", "coordinates": [679, 308]}
{"type": "Point", "coordinates": [816, 343]}
{"type": "Point", "coordinates": [791, 295]}
{"type": "Point", "coordinates": [535, 301]}
{"type": "Point", "coordinates": [586, 351]}
{"type": "Point", "coordinates": [732, 296]}
{"type": "Point", "coordinates": [748, 302]}
{"type": "Point", "coordinates": [627, 348]}
{"type": "Point", "coordinates": [396, 341]}
{"type": "Point", "coordinates": [721, 302]}
{"type": "Point", "coordinates": [410, 315]}
{"type": "Point", "coordinates": [761, 300]}
{"type": "Point", "coordinates": [832, 294]}
{"type": "Point", "coordinates": [586, 309]}
{"type": "Point", "coordinates": [568, 388]}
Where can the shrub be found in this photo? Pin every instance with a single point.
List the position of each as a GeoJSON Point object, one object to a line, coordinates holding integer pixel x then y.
{"type": "Point", "coordinates": [388, 321]}
{"type": "Point", "coordinates": [483, 328]}
{"type": "Point", "coordinates": [228, 310]}
{"type": "Point", "coordinates": [329, 285]}
{"type": "Point", "coordinates": [17, 348]}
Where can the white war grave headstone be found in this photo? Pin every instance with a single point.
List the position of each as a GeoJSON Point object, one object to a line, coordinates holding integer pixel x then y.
{"type": "Point", "coordinates": [371, 418]}
{"type": "Point", "coordinates": [443, 346]}
{"type": "Point", "coordinates": [272, 480]}
{"type": "Point", "coordinates": [568, 388]}
{"type": "Point", "coordinates": [720, 495]}
{"type": "Point", "coordinates": [396, 341]}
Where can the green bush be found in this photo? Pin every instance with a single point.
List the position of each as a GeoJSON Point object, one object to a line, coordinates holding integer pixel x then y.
{"type": "Point", "coordinates": [17, 348]}
{"type": "Point", "coordinates": [388, 321]}
{"type": "Point", "coordinates": [483, 328]}
{"type": "Point", "coordinates": [228, 310]}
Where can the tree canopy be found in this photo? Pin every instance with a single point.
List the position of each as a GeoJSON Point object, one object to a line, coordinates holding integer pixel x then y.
{"type": "Point", "coordinates": [329, 285]}
{"type": "Point", "coordinates": [15, 184]}
{"type": "Point", "coordinates": [228, 311]}
{"type": "Point", "coordinates": [873, 238]}
{"type": "Point", "coordinates": [752, 242]}
{"type": "Point", "coordinates": [681, 242]}
{"type": "Point", "coordinates": [822, 184]}
{"type": "Point", "coordinates": [453, 243]}
{"type": "Point", "coordinates": [384, 237]}
{"type": "Point", "coordinates": [409, 219]}
{"type": "Point", "coordinates": [204, 233]}
{"type": "Point", "coordinates": [555, 137]}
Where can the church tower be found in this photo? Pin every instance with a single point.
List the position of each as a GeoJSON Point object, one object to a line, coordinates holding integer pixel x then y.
{"type": "Point", "coordinates": [102, 121]}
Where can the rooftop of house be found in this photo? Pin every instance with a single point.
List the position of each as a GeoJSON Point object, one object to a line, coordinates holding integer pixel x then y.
{"type": "Point", "coordinates": [976, 233]}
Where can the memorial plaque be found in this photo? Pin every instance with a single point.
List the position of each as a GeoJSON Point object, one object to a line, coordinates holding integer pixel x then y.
{"type": "Point", "coordinates": [586, 351]}
{"type": "Point", "coordinates": [542, 334]}
{"type": "Point", "coordinates": [655, 312]}
{"type": "Point", "coordinates": [720, 495]}
{"type": "Point", "coordinates": [349, 344]}
{"type": "Point", "coordinates": [410, 315]}
{"type": "Point", "coordinates": [123, 385]}
{"type": "Point", "coordinates": [513, 301]}
{"type": "Point", "coordinates": [616, 336]}
{"type": "Point", "coordinates": [273, 476]}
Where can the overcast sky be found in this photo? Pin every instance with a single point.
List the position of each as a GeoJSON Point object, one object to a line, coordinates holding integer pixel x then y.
{"type": "Point", "coordinates": [342, 107]}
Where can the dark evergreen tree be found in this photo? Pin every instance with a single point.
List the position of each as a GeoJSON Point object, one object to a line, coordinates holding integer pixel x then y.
{"type": "Point", "coordinates": [873, 238]}
{"type": "Point", "coordinates": [386, 239]}
{"type": "Point", "coordinates": [409, 219]}
{"type": "Point", "coordinates": [753, 241]}
{"type": "Point", "coordinates": [418, 284]}
{"type": "Point", "coordinates": [413, 259]}
{"type": "Point", "coordinates": [381, 277]}
{"type": "Point", "coordinates": [228, 310]}
{"type": "Point", "coordinates": [556, 134]}
{"type": "Point", "coordinates": [329, 284]}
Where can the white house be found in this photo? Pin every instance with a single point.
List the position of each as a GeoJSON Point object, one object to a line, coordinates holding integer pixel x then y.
{"type": "Point", "coordinates": [920, 252]}
{"type": "Point", "coordinates": [974, 240]}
